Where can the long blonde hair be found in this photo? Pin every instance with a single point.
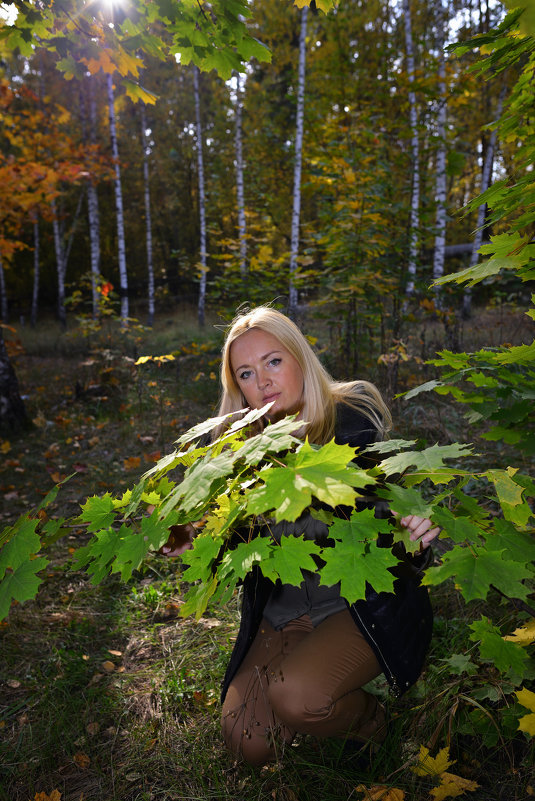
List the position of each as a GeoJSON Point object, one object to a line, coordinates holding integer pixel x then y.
{"type": "Point", "coordinates": [321, 393]}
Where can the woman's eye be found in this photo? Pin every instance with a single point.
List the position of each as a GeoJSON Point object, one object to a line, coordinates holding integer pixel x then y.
{"type": "Point", "coordinates": [243, 376]}
{"type": "Point", "coordinates": [275, 361]}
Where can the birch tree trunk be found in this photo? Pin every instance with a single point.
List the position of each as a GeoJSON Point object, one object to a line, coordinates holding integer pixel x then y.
{"type": "Point", "coordinates": [242, 230]}
{"type": "Point", "coordinates": [60, 264]}
{"type": "Point", "coordinates": [3, 295]}
{"type": "Point", "coordinates": [486, 175]}
{"type": "Point", "coordinates": [36, 256]}
{"type": "Point", "coordinates": [440, 181]}
{"type": "Point", "coordinates": [148, 224]}
{"type": "Point", "coordinates": [202, 210]}
{"type": "Point", "coordinates": [121, 250]}
{"type": "Point", "coordinates": [92, 206]}
{"type": "Point", "coordinates": [296, 211]}
{"type": "Point", "coordinates": [12, 410]}
{"type": "Point", "coordinates": [415, 157]}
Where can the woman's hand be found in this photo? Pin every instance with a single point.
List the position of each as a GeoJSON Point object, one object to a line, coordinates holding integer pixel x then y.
{"type": "Point", "coordinates": [180, 540]}
{"type": "Point", "coordinates": [420, 528]}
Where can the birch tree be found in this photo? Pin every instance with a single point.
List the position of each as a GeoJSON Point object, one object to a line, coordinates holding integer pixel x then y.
{"type": "Point", "coordinates": [63, 251]}
{"type": "Point", "coordinates": [92, 204]}
{"type": "Point", "coordinates": [242, 228]}
{"type": "Point", "coordinates": [202, 210]}
{"type": "Point", "coordinates": [121, 250]}
{"type": "Point", "coordinates": [148, 224]}
{"type": "Point", "coordinates": [36, 269]}
{"type": "Point", "coordinates": [296, 211]}
{"type": "Point", "coordinates": [440, 179]}
{"type": "Point", "coordinates": [415, 155]}
{"type": "Point", "coordinates": [486, 176]}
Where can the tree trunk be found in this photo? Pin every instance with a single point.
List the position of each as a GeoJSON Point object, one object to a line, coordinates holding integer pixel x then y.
{"type": "Point", "coordinates": [415, 157]}
{"type": "Point", "coordinates": [486, 175]}
{"type": "Point", "coordinates": [3, 295]}
{"type": "Point", "coordinates": [92, 205]}
{"type": "Point", "coordinates": [296, 211]}
{"type": "Point", "coordinates": [12, 410]}
{"type": "Point", "coordinates": [60, 264]}
{"type": "Point", "coordinates": [121, 250]}
{"type": "Point", "coordinates": [202, 209]}
{"type": "Point", "coordinates": [440, 183]}
{"type": "Point", "coordinates": [36, 255]}
{"type": "Point", "coordinates": [242, 230]}
{"type": "Point", "coordinates": [148, 225]}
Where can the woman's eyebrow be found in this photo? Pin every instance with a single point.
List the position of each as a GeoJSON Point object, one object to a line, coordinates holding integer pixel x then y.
{"type": "Point", "coordinates": [262, 358]}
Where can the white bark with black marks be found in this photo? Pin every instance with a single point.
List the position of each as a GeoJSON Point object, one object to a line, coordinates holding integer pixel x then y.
{"type": "Point", "coordinates": [92, 205]}
{"type": "Point", "coordinates": [121, 249]}
{"type": "Point", "coordinates": [148, 224]}
{"type": "Point", "coordinates": [201, 309]}
{"type": "Point", "coordinates": [299, 132]}
{"type": "Point", "coordinates": [441, 177]}
{"type": "Point", "coordinates": [242, 228]}
{"type": "Point", "coordinates": [415, 156]}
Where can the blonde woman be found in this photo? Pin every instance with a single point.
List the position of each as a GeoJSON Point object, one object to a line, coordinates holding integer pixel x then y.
{"type": "Point", "coordinates": [303, 654]}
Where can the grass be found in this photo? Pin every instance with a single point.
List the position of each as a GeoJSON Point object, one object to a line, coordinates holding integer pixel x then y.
{"type": "Point", "coordinates": [106, 694]}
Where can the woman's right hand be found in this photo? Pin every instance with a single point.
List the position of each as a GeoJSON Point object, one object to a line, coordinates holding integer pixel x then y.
{"type": "Point", "coordinates": [180, 540]}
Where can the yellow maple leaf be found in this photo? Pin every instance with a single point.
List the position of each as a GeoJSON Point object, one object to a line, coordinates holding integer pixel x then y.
{"type": "Point", "coordinates": [55, 795]}
{"type": "Point", "coordinates": [527, 699]}
{"type": "Point", "coordinates": [523, 635]}
{"type": "Point", "coordinates": [103, 62]}
{"type": "Point", "coordinates": [5, 447]}
{"type": "Point", "coordinates": [127, 63]}
{"type": "Point", "coordinates": [379, 792]}
{"type": "Point", "coordinates": [432, 766]}
{"type": "Point", "coordinates": [451, 786]}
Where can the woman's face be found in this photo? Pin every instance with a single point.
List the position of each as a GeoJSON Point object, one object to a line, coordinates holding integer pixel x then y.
{"type": "Point", "coordinates": [265, 371]}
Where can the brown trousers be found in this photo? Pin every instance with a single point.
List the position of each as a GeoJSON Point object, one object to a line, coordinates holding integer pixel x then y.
{"type": "Point", "coordinates": [302, 679]}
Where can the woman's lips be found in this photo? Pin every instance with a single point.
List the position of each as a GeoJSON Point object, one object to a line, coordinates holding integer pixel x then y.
{"type": "Point", "coordinates": [269, 398]}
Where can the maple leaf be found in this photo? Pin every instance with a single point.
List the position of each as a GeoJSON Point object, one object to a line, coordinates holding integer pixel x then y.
{"type": "Point", "coordinates": [133, 546]}
{"type": "Point", "coordinates": [55, 795]}
{"type": "Point", "coordinates": [476, 569]}
{"type": "Point", "coordinates": [98, 511]}
{"type": "Point", "coordinates": [380, 792]}
{"type": "Point", "coordinates": [510, 495]}
{"type": "Point", "coordinates": [405, 501]}
{"type": "Point", "coordinates": [241, 560]}
{"type": "Point", "coordinates": [288, 558]}
{"type": "Point", "coordinates": [426, 462]}
{"type": "Point", "coordinates": [355, 559]}
{"type": "Point", "coordinates": [23, 542]}
{"type": "Point", "coordinates": [508, 657]}
{"type": "Point", "coordinates": [199, 558]}
{"type": "Point", "coordinates": [21, 584]}
{"type": "Point", "coordinates": [451, 786]}
{"type": "Point", "coordinates": [432, 766]}
{"type": "Point", "coordinates": [524, 635]}
{"type": "Point", "coordinates": [99, 553]}
{"type": "Point", "coordinates": [459, 529]}
{"type": "Point", "coordinates": [527, 699]}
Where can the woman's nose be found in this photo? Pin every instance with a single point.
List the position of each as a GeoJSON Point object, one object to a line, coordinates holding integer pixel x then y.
{"type": "Point", "coordinates": [262, 379]}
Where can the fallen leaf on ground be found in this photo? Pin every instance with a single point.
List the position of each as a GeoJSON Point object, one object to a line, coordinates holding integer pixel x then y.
{"type": "Point", "coordinates": [131, 461]}
{"type": "Point", "coordinates": [81, 760]}
{"type": "Point", "coordinates": [432, 766]}
{"type": "Point", "coordinates": [55, 795]}
{"type": "Point", "coordinates": [108, 666]}
{"type": "Point", "coordinates": [379, 792]}
{"type": "Point", "coordinates": [451, 786]}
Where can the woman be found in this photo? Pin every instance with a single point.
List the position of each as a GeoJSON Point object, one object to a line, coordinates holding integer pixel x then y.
{"type": "Point", "coordinates": [303, 655]}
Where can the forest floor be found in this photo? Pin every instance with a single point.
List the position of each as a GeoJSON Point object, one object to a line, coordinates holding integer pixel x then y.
{"type": "Point", "coordinates": [106, 693]}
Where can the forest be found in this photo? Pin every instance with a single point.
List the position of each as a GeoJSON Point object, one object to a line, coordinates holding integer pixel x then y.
{"type": "Point", "coordinates": [365, 167]}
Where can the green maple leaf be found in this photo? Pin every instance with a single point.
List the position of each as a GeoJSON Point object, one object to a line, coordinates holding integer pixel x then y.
{"type": "Point", "coordinates": [132, 546]}
{"type": "Point", "coordinates": [23, 542]}
{"type": "Point", "coordinates": [386, 446]}
{"type": "Point", "coordinates": [273, 439]}
{"type": "Point", "coordinates": [200, 558]}
{"type": "Point", "coordinates": [99, 553]}
{"type": "Point", "coordinates": [288, 558]}
{"type": "Point", "coordinates": [241, 560]}
{"type": "Point", "coordinates": [196, 488]}
{"type": "Point", "coordinates": [459, 529]}
{"type": "Point", "coordinates": [510, 495]}
{"type": "Point", "coordinates": [460, 663]}
{"type": "Point", "coordinates": [426, 462]}
{"type": "Point", "coordinates": [322, 472]}
{"type": "Point", "coordinates": [355, 559]}
{"type": "Point", "coordinates": [198, 597]}
{"type": "Point", "coordinates": [98, 511]}
{"type": "Point", "coordinates": [405, 501]}
{"type": "Point", "coordinates": [508, 657]}
{"type": "Point", "coordinates": [22, 584]}
{"type": "Point", "coordinates": [476, 569]}
{"type": "Point", "coordinates": [516, 545]}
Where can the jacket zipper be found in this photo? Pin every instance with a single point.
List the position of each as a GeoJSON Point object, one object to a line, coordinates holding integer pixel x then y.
{"type": "Point", "coordinates": [389, 675]}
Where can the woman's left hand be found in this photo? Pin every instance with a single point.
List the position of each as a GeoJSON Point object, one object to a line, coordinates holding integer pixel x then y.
{"type": "Point", "coordinates": [420, 528]}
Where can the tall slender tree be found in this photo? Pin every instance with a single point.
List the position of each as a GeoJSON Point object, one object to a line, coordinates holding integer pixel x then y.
{"type": "Point", "coordinates": [148, 223]}
{"type": "Point", "coordinates": [36, 270]}
{"type": "Point", "coordinates": [242, 227]}
{"type": "Point", "coordinates": [298, 155]}
{"type": "Point", "coordinates": [415, 155]}
{"type": "Point", "coordinates": [201, 308]}
{"type": "Point", "coordinates": [121, 249]}
{"type": "Point", "coordinates": [440, 177]}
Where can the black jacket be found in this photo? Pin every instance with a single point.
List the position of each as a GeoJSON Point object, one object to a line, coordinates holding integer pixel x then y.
{"type": "Point", "coordinates": [397, 625]}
